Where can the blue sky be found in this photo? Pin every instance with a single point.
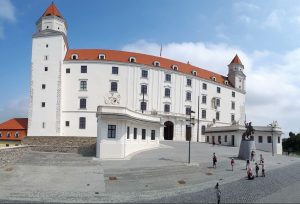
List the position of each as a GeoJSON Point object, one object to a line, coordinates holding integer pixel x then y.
{"type": "Point", "coordinates": [207, 33]}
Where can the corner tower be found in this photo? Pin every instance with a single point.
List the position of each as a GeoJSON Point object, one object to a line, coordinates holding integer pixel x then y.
{"type": "Point", "coordinates": [49, 47]}
{"type": "Point", "coordinates": [236, 74]}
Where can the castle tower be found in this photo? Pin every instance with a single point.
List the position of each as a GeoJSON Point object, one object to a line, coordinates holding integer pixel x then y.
{"type": "Point", "coordinates": [236, 74]}
{"type": "Point", "coordinates": [49, 46]}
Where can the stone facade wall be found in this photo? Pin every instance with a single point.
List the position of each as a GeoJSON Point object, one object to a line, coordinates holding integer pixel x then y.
{"type": "Point", "coordinates": [82, 145]}
{"type": "Point", "coordinates": [12, 154]}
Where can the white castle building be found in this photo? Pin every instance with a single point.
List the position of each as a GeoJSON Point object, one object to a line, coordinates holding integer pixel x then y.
{"type": "Point", "coordinates": [67, 86]}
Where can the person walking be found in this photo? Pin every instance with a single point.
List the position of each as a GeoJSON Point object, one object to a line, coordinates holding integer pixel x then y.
{"type": "Point", "coordinates": [256, 169]}
{"type": "Point", "coordinates": [214, 161]}
{"type": "Point", "coordinates": [218, 193]}
{"type": "Point", "coordinates": [263, 171]}
{"type": "Point", "coordinates": [252, 155]}
{"type": "Point", "coordinates": [232, 163]}
{"type": "Point", "coordinates": [247, 164]}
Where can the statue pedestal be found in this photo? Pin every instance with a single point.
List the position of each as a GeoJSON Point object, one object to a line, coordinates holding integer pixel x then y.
{"type": "Point", "coordinates": [245, 149]}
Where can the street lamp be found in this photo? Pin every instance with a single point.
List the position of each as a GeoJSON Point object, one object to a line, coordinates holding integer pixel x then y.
{"type": "Point", "coordinates": [191, 120]}
{"type": "Point", "coordinates": [273, 125]}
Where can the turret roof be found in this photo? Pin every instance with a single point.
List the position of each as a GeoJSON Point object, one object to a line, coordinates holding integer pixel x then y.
{"type": "Point", "coordinates": [52, 11]}
{"type": "Point", "coordinates": [236, 60]}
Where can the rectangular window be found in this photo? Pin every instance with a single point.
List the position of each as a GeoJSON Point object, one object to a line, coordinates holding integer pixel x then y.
{"type": "Point", "coordinates": [143, 134]}
{"type": "Point", "coordinates": [43, 86]}
{"type": "Point", "coordinates": [225, 140]}
{"type": "Point", "coordinates": [68, 70]}
{"type": "Point", "coordinates": [203, 130]}
{"type": "Point", "coordinates": [67, 123]}
{"type": "Point", "coordinates": [269, 139]}
{"type": "Point", "coordinates": [204, 99]}
{"type": "Point", "coordinates": [128, 132]}
{"type": "Point", "coordinates": [83, 69]}
{"type": "Point", "coordinates": [152, 134]}
{"type": "Point", "coordinates": [83, 85]}
{"type": "Point", "coordinates": [203, 114]}
{"type": "Point", "coordinates": [135, 133]}
{"type": "Point", "coordinates": [217, 115]}
{"type": "Point", "coordinates": [43, 125]}
{"type": "Point", "coordinates": [46, 57]}
{"type": "Point", "coordinates": [218, 102]}
{"type": "Point", "coordinates": [46, 69]}
{"type": "Point", "coordinates": [233, 94]}
{"type": "Point", "coordinates": [218, 90]}
{"type": "Point", "coordinates": [43, 104]}
{"type": "Point", "coordinates": [232, 105]}
{"type": "Point", "coordinates": [144, 73]}
{"type": "Point", "coordinates": [113, 86]}
{"type": "Point", "coordinates": [144, 89]}
{"type": "Point", "coordinates": [111, 133]}
{"type": "Point", "coordinates": [168, 77]}
{"type": "Point", "coordinates": [167, 108]}
{"type": "Point", "coordinates": [167, 92]}
{"type": "Point", "coordinates": [188, 110]}
{"type": "Point", "coordinates": [82, 121]}
{"type": "Point", "coordinates": [204, 86]}
{"type": "Point", "coordinates": [143, 106]}
{"type": "Point", "coordinates": [188, 96]}
{"type": "Point", "coordinates": [82, 104]}
{"type": "Point", "coordinates": [115, 70]}
{"type": "Point", "coordinates": [260, 139]}
{"type": "Point", "coordinates": [278, 139]}
{"type": "Point", "coordinates": [232, 117]}
{"type": "Point", "coordinates": [188, 82]}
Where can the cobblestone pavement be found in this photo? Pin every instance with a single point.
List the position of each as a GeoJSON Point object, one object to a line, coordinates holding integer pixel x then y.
{"type": "Point", "coordinates": [244, 191]}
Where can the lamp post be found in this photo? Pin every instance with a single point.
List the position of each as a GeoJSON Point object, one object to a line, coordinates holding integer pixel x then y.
{"type": "Point", "coordinates": [191, 120]}
{"type": "Point", "coordinates": [272, 126]}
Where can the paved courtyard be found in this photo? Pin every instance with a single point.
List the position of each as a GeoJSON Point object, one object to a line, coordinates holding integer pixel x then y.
{"type": "Point", "coordinates": [159, 175]}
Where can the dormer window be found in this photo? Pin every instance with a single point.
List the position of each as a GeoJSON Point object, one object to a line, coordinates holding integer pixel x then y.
{"type": "Point", "coordinates": [156, 63]}
{"type": "Point", "coordinates": [214, 78]}
{"type": "Point", "coordinates": [226, 82]}
{"type": "Point", "coordinates": [74, 57]}
{"type": "Point", "coordinates": [101, 57]}
{"type": "Point", "coordinates": [175, 67]}
{"type": "Point", "coordinates": [194, 73]}
{"type": "Point", "coordinates": [132, 60]}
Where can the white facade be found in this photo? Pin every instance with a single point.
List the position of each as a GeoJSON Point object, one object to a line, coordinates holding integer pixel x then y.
{"type": "Point", "coordinates": [63, 92]}
{"type": "Point", "coordinates": [264, 136]}
{"type": "Point", "coordinates": [122, 132]}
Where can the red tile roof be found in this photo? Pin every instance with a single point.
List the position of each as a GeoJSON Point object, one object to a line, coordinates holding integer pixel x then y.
{"type": "Point", "coordinates": [52, 11]}
{"type": "Point", "coordinates": [14, 124]}
{"type": "Point", "coordinates": [236, 60]}
{"type": "Point", "coordinates": [123, 56]}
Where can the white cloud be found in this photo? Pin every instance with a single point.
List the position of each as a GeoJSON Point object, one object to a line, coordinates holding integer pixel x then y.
{"type": "Point", "coordinates": [7, 14]}
{"type": "Point", "coordinates": [275, 19]}
{"type": "Point", "coordinates": [14, 109]}
{"type": "Point", "coordinates": [273, 88]}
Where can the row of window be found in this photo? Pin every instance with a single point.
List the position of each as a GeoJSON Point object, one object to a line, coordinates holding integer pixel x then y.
{"type": "Point", "coordinates": [8, 134]}
{"type": "Point", "coordinates": [260, 139]}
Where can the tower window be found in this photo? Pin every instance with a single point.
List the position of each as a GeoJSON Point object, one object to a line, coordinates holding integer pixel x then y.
{"type": "Point", "coordinates": [188, 82]}
{"type": "Point", "coordinates": [47, 45]}
{"type": "Point", "coordinates": [203, 130]}
{"type": "Point", "coordinates": [68, 71]}
{"type": "Point", "coordinates": [82, 103]}
{"type": "Point", "coordinates": [204, 99]}
{"type": "Point", "coordinates": [43, 86]}
{"type": "Point", "coordinates": [217, 115]}
{"type": "Point", "coordinates": [203, 114]}
{"type": "Point", "coordinates": [112, 131]}
{"type": "Point", "coordinates": [113, 86]}
{"type": "Point", "coordinates": [167, 92]}
{"type": "Point", "coordinates": [218, 90]}
{"type": "Point", "coordinates": [43, 104]}
{"type": "Point", "coordinates": [188, 96]}
{"type": "Point", "coordinates": [204, 86]}
{"type": "Point", "coordinates": [43, 125]}
{"type": "Point", "coordinates": [232, 105]}
{"type": "Point", "coordinates": [115, 70]}
{"type": "Point", "coordinates": [83, 85]}
{"type": "Point", "coordinates": [144, 89]}
{"type": "Point", "coordinates": [83, 69]}
{"type": "Point", "coordinates": [46, 57]}
{"type": "Point", "coordinates": [143, 106]}
{"type": "Point", "coordinates": [232, 117]}
{"type": "Point", "coordinates": [67, 123]}
{"type": "Point", "coordinates": [233, 94]}
{"type": "Point", "coordinates": [132, 60]}
{"type": "Point", "coordinates": [188, 110]}
{"type": "Point", "coordinates": [46, 69]}
{"type": "Point", "coordinates": [218, 102]}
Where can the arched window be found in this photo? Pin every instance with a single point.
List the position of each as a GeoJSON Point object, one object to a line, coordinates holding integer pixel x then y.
{"type": "Point", "coordinates": [175, 67]}
{"type": "Point", "coordinates": [74, 57]}
{"type": "Point", "coordinates": [132, 60]}
{"type": "Point", "coordinates": [194, 73]}
{"type": "Point", "coordinates": [213, 78]}
{"type": "Point", "coordinates": [226, 82]}
{"type": "Point", "coordinates": [17, 134]}
{"type": "Point", "coordinates": [101, 56]}
{"type": "Point", "coordinates": [156, 63]}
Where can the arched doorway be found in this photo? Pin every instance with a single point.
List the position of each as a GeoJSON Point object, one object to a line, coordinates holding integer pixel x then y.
{"type": "Point", "coordinates": [168, 130]}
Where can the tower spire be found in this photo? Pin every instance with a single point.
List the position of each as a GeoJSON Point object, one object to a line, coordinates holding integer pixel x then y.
{"type": "Point", "coordinates": [236, 60]}
{"type": "Point", "coordinates": [52, 11]}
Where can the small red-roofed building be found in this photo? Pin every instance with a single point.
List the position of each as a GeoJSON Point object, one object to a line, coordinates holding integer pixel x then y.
{"type": "Point", "coordinates": [12, 132]}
